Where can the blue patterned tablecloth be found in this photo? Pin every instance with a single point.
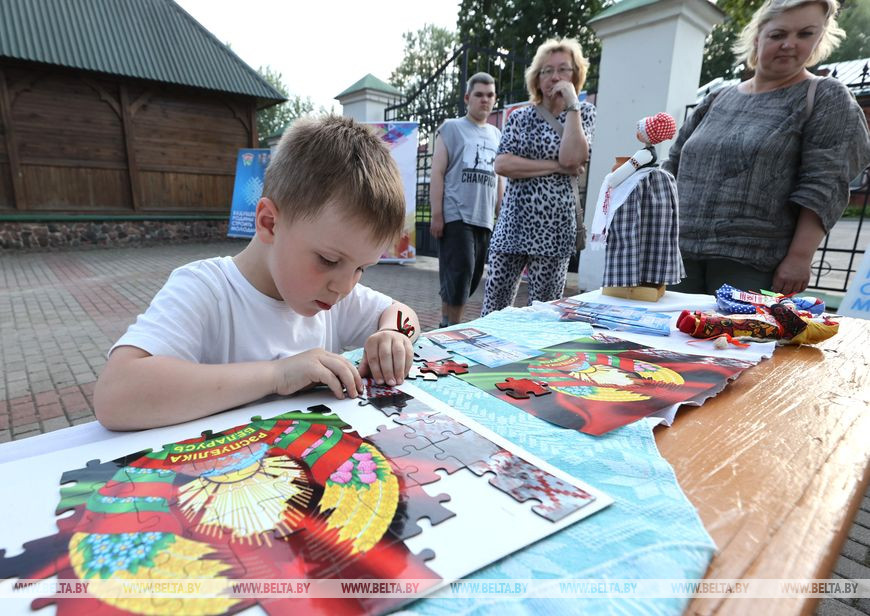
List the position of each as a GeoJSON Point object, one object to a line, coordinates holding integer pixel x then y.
{"type": "Point", "coordinates": [651, 531]}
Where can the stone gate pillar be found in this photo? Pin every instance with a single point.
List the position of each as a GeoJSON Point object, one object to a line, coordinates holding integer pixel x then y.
{"type": "Point", "coordinates": [651, 52]}
{"type": "Point", "coordinates": [366, 100]}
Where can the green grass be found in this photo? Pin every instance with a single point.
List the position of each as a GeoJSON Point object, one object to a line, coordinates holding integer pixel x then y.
{"type": "Point", "coordinates": [853, 211]}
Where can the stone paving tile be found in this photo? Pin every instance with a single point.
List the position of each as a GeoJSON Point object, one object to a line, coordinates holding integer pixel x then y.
{"type": "Point", "coordinates": [28, 434]}
{"type": "Point", "coordinates": [55, 423]}
{"type": "Point", "coordinates": [851, 570]}
{"type": "Point", "coordinates": [20, 429]}
{"type": "Point", "coordinates": [857, 552]}
{"type": "Point", "coordinates": [860, 534]}
{"type": "Point", "coordinates": [50, 410]}
{"type": "Point", "coordinates": [60, 313]}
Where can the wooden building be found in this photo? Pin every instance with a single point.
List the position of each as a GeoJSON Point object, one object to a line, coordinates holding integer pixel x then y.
{"type": "Point", "coordinates": [121, 115]}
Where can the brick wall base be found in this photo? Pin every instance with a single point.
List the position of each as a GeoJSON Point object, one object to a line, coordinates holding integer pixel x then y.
{"type": "Point", "coordinates": [106, 234]}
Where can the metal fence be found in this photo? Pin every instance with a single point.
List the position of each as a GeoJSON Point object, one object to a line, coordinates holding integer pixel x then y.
{"type": "Point", "coordinates": [842, 249]}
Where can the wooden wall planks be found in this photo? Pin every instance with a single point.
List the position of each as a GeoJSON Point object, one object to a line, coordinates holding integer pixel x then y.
{"type": "Point", "coordinates": [83, 147]}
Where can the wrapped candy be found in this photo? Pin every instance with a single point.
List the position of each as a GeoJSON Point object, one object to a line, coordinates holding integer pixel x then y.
{"type": "Point", "coordinates": [778, 322]}
{"type": "Point", "coordinates": [734, 301]}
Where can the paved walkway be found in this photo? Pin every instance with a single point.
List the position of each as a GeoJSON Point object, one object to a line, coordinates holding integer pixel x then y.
{"type": "Point", "coordinates": [60, 313]}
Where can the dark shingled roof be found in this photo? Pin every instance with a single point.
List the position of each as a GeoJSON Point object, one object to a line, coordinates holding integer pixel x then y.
{"type": "Point", "coordinates": [146, 39]}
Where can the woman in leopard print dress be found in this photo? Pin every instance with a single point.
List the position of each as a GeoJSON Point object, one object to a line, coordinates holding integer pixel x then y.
{"type": "Point", "coordinates": [537, 224]}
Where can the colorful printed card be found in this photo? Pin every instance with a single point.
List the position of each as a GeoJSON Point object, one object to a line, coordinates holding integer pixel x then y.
{"type": "Point", "coordinates": [311, 491]}
{"type": "Point", "coordinates": [600, 383]}
{"type": "Point", "coordinates": [481, 347]}
{"type": "Point", "coordinates": [613, 317]}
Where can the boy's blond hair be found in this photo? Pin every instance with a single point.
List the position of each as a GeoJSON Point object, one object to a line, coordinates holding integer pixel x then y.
{"type": "Point", "coordinates": [336, 160]}
{"type": "Point", "coordinates": [565, 45]}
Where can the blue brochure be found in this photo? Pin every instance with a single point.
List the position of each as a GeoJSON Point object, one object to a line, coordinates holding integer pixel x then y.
{"type": "Point", "coordinates": [617, 318]}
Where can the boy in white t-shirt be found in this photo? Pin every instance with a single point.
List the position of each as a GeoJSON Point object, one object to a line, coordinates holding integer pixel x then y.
{"type": "Point", "coordinates": [226, 331]}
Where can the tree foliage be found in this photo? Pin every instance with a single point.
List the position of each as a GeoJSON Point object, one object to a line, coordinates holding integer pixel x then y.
{"type": "Point", "coordinates": [425, 51]}
{"type": "Point", "coordinates": [719, 59]}
{"type": "Point", "coordinates": [276, 118]}
{"type": "Point", "coordinates": [519, 26]}
{"type": "Point", "coordinates": [854, 18]}
{"type": "Point", "coordinates": [516, 28]}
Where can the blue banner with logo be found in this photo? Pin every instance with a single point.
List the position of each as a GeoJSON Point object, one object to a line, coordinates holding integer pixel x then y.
{"type": "Point", "coordinates": [250, 170]}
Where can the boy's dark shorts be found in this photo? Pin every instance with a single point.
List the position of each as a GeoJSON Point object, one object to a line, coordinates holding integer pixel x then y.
{"type": "Point", "coordinates": [461, 257]}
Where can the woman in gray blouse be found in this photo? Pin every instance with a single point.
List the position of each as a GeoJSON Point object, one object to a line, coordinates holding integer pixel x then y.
{"type": "Point", "coordinates": [763, 168]}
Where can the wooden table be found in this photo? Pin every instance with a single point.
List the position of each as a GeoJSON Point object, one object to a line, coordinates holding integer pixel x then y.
{"type": "Point", "coordinates": [777, 465]}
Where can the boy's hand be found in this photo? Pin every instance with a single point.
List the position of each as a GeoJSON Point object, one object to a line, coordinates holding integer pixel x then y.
{"type": "Point", "coordinates": [387, 357]}
{"type": "Point", "coordinates": [436, 225]}
{"type": "Point", "coordinates": [316, 367]}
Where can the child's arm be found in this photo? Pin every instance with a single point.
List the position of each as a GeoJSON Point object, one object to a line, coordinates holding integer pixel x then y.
{"type": "Point", "coordinates": [436, 187]}
{"type": "Point", "coordinates": [388, 352]}
{"type": "Point", "coordinates": [137, 390]}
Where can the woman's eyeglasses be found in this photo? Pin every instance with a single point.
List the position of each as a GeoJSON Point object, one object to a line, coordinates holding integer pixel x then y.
{"type": "Point", "coordinates": [563, 71]}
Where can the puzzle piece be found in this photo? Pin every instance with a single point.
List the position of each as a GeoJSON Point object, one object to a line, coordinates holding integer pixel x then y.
{"type": "Point", "coordinates": [399, 438]}
{"type": "Point", "coordinates": [388, 400]}
{"type": "Point", "coordinates": [430, 352]}
{"type": "Point", "coordinates": [321, 409]}
{"type": "Point", "coordinates": [521, 388]}
{"type": "Point", "coordinates": [514, 476]}
{"type": "Point", "coordinates": [523, 481]}
{"type": "Point", "coordinates": [415, 373]}
{"type": "Point", "coordinates": [445, 367]}
{"type": "Point", "coordinates": [44, 557]}
{"type": "Point", "coordinates": [419, 466]}
{"type": "Point", "coordinates": [414, 407]}
{"type": "Point", "coordinates": [77, 485]}
{"type": "Point", "coordinates": [434, 429]}
{"type": "Point", "coordinates": [392, 442]}
{"type": "Point", "coordinates": [425, 414]}
{"type": "Point", "coordinates": [415, 504]}
{"type": "Point", "coordinates": [469, 449]}
{"type": "Point", "coordinates": [413, 465]}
